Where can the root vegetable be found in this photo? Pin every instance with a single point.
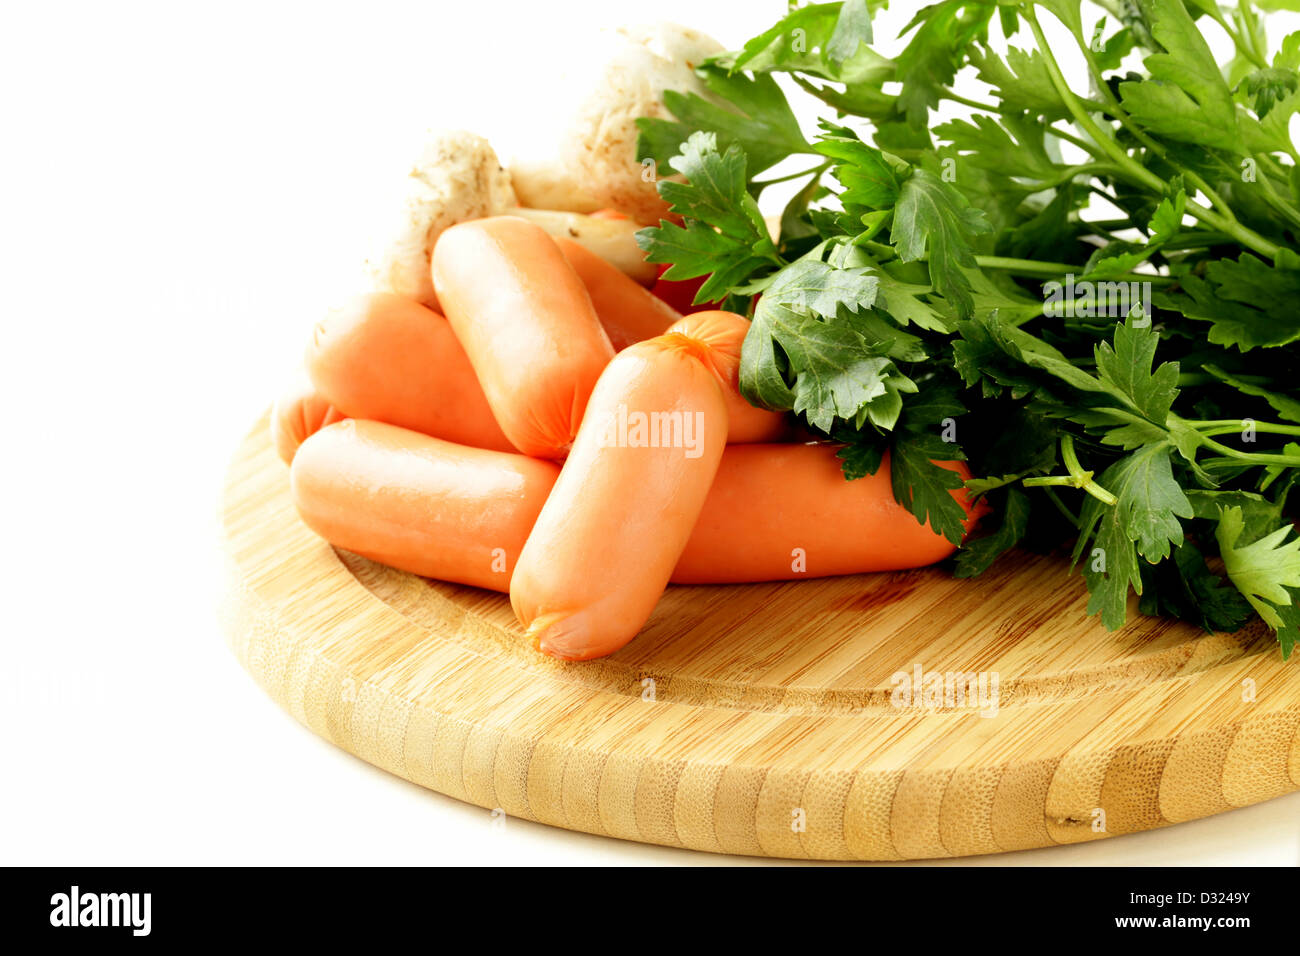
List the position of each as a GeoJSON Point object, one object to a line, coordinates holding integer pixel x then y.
{"type": "Point", "coordinates": [621, 75]}
{"type": "Point", "coordinates": [457, 177]}
{"type": "Point", "coordinates": [613, 240]}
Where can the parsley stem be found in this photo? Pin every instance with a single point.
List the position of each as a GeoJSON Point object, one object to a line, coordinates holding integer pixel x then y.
{"type": "Point", "coordinates": [760, 183]}
{"type": "Point", "coordinates": [1245, 49]}
{"type": "Point", "coordinates": [1134, 170]}
{"type": "Point", "coordinates": [1107, 225]}
{"type": "Point", "coordinates": [1078, 476]}
{"type": "Point", "coordinates": [1044, 481]}
{"type": "Point", "coordinates": [949, 94]}
{"type": "Point", "coordinates": [1224, 422]}
{"type": "Point", "coordinates": [1024, 266]}
{"type": "Point", "coordinates": [1277, 202]}
{"type": "Point", "coordinates": [1109, 197]}
{"type": "Point", "coordinates": [1083, 144]}
{"type": "Point", "coordinates": [1196, 240]}
{"type": "Point", "coordinates": [1229, 426]}
{"type": "Point", "coordinates": [1077, 470]}
{"type": "Point", "coordinates": [1120, 115]}
{"type": "Point", "coordinates": [1070, 172]}
{"type": "Point", "coordinates": [1256, 458]}
{"type": "Point", "coordinates": [1053, 270]}
{"type": "Point", "coordinates": [1192, 379]}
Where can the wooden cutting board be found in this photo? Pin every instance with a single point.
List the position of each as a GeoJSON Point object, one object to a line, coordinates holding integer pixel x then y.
{"type": "Point", "coordinates": [767, 719]}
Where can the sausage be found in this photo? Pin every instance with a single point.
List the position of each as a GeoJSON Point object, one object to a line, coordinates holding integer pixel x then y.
{"type": "Point", "coordinates": [419, 503]}
{"type": "Point", "coordinates": [724, 334]}
{"type": "Point", "coordinates": [625, 502]}
{"type": "Point", "coordinates": [527, 325]}
{"type": "Point", "coordinates": [299, 413]}
{"type": "Point", "coordinates": [629, 312]}
{"type": "Point", "coordinates": [785, 512]}
{"type": "Point", "coordinates": [389, 358]}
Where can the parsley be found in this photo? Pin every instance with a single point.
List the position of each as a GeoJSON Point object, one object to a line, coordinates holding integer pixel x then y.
{"type": "Point", "coordinates": [1091, 286]}
{"type": "Point", "coordinates": [725, 236]}
{"type": "Point", "coordinates": [930, 219]}
{"type": "Point", "coordinates": [814, 349]}
{"type": "Point", "coordinates": [1265, 571]}
{"type": "Point", "coordinates": [980, 553]}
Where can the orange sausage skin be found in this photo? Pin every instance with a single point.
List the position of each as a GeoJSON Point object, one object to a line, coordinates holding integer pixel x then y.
{"type": "Point", "coordinates": [628, 311]}
{"type": "Point", "coordinates": [527, 325]}
{"type": "Point", "coordinates": [419, 503]}
{"type": "Point", "coordinates": [776, 508]}
{"type": "Point", "coordinates": [298, 414]}
{"type": "Point", "coordinates": [626, 500]}
{"type": "Point", "coordinates": [724, 334]}
{"type": "Point", "coordinates": [388, 358]}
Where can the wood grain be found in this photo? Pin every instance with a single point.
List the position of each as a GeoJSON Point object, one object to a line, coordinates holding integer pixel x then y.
{"type": "Point", "coordinates": [760, 719]}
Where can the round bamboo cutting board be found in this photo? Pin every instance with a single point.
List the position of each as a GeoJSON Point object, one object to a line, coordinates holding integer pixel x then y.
{"type": "Point", "coordinates": [769, 719]}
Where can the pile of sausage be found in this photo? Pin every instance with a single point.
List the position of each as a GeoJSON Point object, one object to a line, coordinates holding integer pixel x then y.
{"type": "Point", "coordinates": [560, 433]}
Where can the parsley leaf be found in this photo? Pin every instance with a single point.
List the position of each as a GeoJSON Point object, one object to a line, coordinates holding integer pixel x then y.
{"type": "Point", "coordinates": [933, 219]}
{"type": "Point", "coordinates": [869, 181]}
{"type": "Point", "coordinates": [824, 39]}
{"type": "Point", "coordinates": [759, 120]}
{"type": "Point", "coordinates": [979, 554]}
{"type": "Point", "coordinates": [1143, 521]}
{"type": "Point", "coordinates": [1265, 571]}
{"type": "Point", "coordinates": [1013, 145]}
{"type": "Point", "coordinates": [920, 484]}
{"type": "Point", "coordinates": [1248, 303]}
{"type": "Point", "coordinates": [814, 350]}
{"type": "Point", "coordinates": [1126, 369]}
{"type": "Point", "coordinates": [944, 34]}
{"type": "Point", "coordinates": [1022, 82]}
{"type": "Point", "coordinates": [1187, 588]}
{"type": "Point", "coordinates": [724, 235]}
{"type": "Point", "coordinates": [1288, 408]}
{"type": "Point", "coordinates": [1164, 225]}
{"type": "Point", "coordinates": [1187, 98]}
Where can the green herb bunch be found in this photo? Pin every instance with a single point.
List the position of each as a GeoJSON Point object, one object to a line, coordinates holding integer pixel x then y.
{"type": "Point", "coordinates": [1110, 341]}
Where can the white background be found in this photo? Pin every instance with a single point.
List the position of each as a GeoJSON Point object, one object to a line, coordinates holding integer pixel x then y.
{"type": "Point", "coordinates": [184, 190]}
